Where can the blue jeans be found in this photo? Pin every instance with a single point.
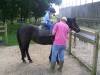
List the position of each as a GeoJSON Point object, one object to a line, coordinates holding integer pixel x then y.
{"type": "Point", "coordinates": [58, 49]}
{"type": "Point", "coordinates": [50, 25]}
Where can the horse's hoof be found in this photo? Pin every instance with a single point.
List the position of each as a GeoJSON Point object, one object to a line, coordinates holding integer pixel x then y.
{"type": "Point", "coordinates": [57, 63]}
{"type": "Point", "coordinates": [49, 60]}
{"type": "Point", "coordinates": [24, 61]}
{"type": "Point", "coordinates": [30, 61]}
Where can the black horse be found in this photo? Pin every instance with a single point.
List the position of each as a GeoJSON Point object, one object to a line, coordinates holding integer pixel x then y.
{"type": "Point", "coordinates": [28, 32]}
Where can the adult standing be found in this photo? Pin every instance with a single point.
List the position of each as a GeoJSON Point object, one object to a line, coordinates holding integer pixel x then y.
{"type": "Point", "coordinates": [60, 30]}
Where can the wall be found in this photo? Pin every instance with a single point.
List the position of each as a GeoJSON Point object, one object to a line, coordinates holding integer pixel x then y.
{"type": "Point", "coordinates": [90, 10]}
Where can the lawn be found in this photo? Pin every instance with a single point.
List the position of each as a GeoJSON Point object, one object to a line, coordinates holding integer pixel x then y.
{"type": "Point", "coordinates": [11, 30]}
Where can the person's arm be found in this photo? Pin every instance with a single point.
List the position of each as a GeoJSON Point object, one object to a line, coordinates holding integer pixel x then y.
{"type": "Point", "coordinates": [49, 18]}
{"type": "Point", "coordinates": [53, 32]}
{"type": "Point", "coordinates": [54, 29]}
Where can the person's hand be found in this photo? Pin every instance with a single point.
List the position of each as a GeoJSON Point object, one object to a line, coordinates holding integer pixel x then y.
{"type": "Point", "coordinates": [52, 21]}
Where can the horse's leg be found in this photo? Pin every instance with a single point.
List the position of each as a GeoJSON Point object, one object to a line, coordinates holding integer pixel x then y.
{"type": "Point", "coordinates": [23, 50]}
{"type": "Point", "coordinates": [57, 58]}
{"type": "Point", "coordinates": [29, 58]}
{"type": "Point", "coordinates": [23, 54]}
{"type": "Point", "coordinates": [27, 53]}
{"type": "Point", "coordinates": [50, 55]}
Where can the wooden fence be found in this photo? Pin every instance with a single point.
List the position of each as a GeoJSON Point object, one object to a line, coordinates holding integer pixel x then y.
{"type": "Point", "coordinates": [90, 37]}
{"type": "Point", "coordinates": [89, 23]}
{"type": "Point", "coordinates": [3, 29]}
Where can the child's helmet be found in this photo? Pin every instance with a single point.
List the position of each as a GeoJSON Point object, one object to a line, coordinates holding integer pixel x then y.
{"type": "Point", "coordinates": [51, 10]}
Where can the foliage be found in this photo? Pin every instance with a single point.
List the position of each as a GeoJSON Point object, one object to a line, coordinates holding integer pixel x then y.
{"type": "Point", "coordinates": [11, 9]}
{"type": "Point", "coordinates": [8, 9]}
{"type": "Point", "coordinates": [57, 2]}
{"type": "Point", "coordinates": [39, 7]}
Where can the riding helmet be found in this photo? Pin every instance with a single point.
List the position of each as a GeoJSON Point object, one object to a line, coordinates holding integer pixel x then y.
{"type": "Point", "coordinates": [52, 10]}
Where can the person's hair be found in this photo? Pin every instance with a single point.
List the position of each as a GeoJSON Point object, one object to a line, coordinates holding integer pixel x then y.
{"type": "Point", "coordinates": [64, 19]}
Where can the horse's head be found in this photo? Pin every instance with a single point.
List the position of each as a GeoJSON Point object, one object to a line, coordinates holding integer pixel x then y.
{"type": "Point", "coordinates": [72, 24]}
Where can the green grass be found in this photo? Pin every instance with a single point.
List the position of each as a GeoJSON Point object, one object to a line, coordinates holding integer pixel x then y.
{"type": "Point", "coordinates": [12, 39]}
{"type": "Point", "coordinates": [12, 29]}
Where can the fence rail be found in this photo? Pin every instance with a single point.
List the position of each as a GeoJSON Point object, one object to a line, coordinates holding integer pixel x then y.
{"type": "Point", "coordinates": [3, 29]}
{"type": "Point", "coordinates": [85, 35]}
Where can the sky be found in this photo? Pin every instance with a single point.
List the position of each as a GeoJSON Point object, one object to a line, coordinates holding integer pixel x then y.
{"type": "Point", "coordinates": [72, 2]}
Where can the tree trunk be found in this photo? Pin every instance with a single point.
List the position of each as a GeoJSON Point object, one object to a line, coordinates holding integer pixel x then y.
{"type": "Point", "coordinates": [4, 20]}
{"type": "Point", "coordinates": [11, 19]}
{"type": "Point", "coordinates": [29, 11]}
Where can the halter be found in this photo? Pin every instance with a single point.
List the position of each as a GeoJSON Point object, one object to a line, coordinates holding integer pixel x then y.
{"type": "Point", "coordinates": [73, 27]}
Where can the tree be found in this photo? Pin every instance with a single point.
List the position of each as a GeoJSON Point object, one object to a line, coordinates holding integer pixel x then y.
{"type": "Point", "coordinates": [9, 9]}
{"type": "Point", "coordinates": [40, 6]}
{"type": "Point", "coordinates": [4, 10]}
{"type": "Point", "coordinates": [23, 9]}
{"type": "Point", "coordinates": [13, 8]}
{"type": "Point", "coordinates": [57, 2]}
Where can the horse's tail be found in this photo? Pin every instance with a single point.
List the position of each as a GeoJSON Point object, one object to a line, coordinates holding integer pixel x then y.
{"type": "Point", "coordinates": [18, 39]}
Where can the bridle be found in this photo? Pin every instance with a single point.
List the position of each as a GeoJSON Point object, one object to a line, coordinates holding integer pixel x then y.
{"type": "Point", "coordinates": [74, 28]}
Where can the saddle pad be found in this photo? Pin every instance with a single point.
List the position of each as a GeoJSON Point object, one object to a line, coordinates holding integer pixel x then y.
{"type": "Point", "coordinates": [44, 33]}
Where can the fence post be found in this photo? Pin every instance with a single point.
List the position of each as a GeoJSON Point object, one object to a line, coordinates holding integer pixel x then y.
{"type": "Point", "coordinates": [95, 55]}
{"type": "Point", "coordinates": [70, 40]}
{"type": "Point", "coordinates": [6, 37]}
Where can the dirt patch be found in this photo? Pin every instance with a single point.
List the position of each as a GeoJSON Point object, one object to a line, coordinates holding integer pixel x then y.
{"type": "Point", "coordinates": [11, 63]}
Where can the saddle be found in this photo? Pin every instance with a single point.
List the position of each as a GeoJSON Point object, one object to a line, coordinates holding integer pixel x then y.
{"type": "Point", "coordinates": [45, 27]}
{"type": "Point", "coordinates": [44, 31]}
